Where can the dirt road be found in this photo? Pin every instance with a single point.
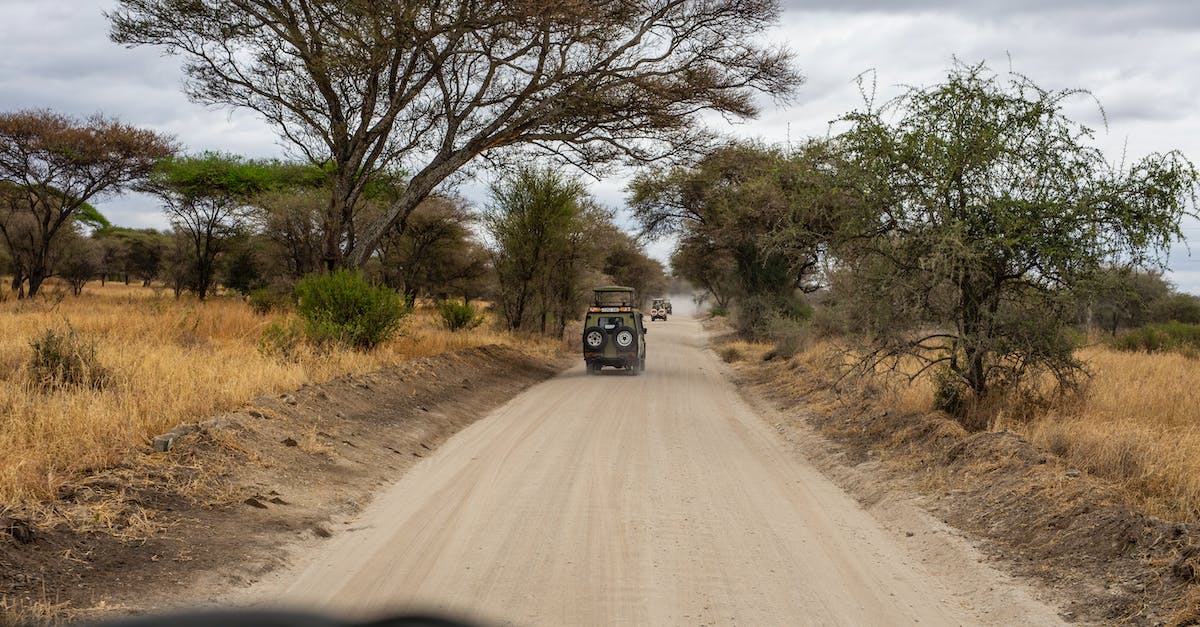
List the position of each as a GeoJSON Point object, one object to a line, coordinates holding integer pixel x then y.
{"type": "Point", "coordinates": [659, 499]}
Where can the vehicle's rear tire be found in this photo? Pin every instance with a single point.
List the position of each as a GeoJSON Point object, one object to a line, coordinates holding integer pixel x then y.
{"type": "Point", "coordinates": [642, 364]}
{"type": "Point", "coordinates": [592, 368]}
{"type": "Point", "coordinates": [594, 339]}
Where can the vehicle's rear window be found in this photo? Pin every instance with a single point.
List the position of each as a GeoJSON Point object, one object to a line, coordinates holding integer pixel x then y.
{"type": "Point", "coordinates": [609, 322]}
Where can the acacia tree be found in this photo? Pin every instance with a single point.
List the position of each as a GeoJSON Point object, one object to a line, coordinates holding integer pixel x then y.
{"type": "Point", "coordinates": [431, 85]}
{"type": "Point", "coordinates": [436, 249]}
{"type": "Point", "coordinates": [989, 204]}
{"type": "Point", "coordinates": [754, 223]}
{"type": "Point", "coordinates": [206, 199]}
{"type": "Point", "coordinates": [529, 220]}
{"type": "Point", "coordinates": [51, 165]}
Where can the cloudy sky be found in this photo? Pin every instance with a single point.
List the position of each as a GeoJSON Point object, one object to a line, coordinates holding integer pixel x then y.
{"type": "Point", "coordinates": [1140, 59]}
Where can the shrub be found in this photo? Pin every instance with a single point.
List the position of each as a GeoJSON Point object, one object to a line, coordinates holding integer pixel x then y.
{"type": "Point", "coordinates": [343, 308]}
{"type": "Point", "coordinates": [730, 354]}
{"type": "Point", "coordinates": [757, 313]}
{"type": "Point", "coordinates": [61, 358]}
{"type": "Point", "coordinates": [281, 339]}
{"type": "Point", "coordinates": [718, 312]}
{"type": "Point", "coordinates": [265, 300]}
{"type": "Point", "coordinates": [1167, 336]}
{"type": "Point", "coordinates": [951, 394]}
{"type": "Point", "coordinates": [459, 315]}
{"type": "Point", "coordinates": [789, 335]}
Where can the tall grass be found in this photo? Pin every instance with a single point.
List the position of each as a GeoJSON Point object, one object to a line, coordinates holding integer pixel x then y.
{"type": "Point", "coordinates": [1136, 423]}
{"type": "Point", "coordinates": [166, 361]}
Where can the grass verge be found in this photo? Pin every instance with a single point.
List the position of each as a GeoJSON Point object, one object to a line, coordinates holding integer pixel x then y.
{"type": "Point", "coordinates": [166, 362]}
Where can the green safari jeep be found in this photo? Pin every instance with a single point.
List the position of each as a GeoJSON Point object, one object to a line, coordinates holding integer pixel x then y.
{"type": "Point", "coordinates": [659, 309]}
{"type": "Point", "coordinates": [614, 333]}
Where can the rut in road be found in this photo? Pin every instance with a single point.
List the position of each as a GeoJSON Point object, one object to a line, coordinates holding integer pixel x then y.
{"type": "Point", "coordinates": [612, 499]}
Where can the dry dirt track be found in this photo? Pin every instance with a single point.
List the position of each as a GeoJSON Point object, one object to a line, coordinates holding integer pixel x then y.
{"type": "Point", "coordinates": [660, 499]}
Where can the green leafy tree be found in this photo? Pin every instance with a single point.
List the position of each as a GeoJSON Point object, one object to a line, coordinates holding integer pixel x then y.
{"type": "Point", "coordinates": [81, 260]}
{"type": "Point", "coordinates": [243, 270]}
{"type": "Point", "coordinates": [366, 86]}
{"type": "Point", "coordinates": [754, 224]}
{"type": "Point", "coordinates": [132, 252]}
{"type": "Point", "coordinates": [51, 165]}
{"type": "Point", "coordinates": [178, 266]}
{"type": "Point", "coordinates": [548, 243]}
{"type": "Point", "coordinates": [989, 204]}
{"type": "Point", "coordinates": [529, 220]}
{"type": "Point", "coordinates": [1175, 307]}
{"type": "Point", "coordinates": [207, 198]}
{"type": "Point", "coordinates": [435, 251]}
{"type": "Point", "coordinates": [1120, 297]}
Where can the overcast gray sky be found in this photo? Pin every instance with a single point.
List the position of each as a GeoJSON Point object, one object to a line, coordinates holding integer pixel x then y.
{"type": "Point", "coordinates": [1140, 59]}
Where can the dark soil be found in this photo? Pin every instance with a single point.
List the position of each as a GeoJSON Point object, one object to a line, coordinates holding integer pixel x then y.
{"type": "Point", "coordinates": [220, 508]}
{"type": "Point", "coordinates": [1081, 537]}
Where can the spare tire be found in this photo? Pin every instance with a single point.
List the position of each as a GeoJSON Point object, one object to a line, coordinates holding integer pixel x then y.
{"type": "Point", "coordinates": [593, 339]}
{"type": "Point", "coordinates": [625, 338]}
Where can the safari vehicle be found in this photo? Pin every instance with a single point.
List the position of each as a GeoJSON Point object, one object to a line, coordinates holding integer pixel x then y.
{"type": "Point", "coordinates": [668, 302]}
{"type": "Point", "coordinates": [658, 309]}
{"type": "Point", "coordinates": [613, 331]}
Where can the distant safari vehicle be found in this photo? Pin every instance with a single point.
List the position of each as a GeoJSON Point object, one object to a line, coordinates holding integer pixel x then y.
{"type": "Point", "coordinates": [659, 308]}
{"type": "Point", "coordinates": [613, 331]}
{"type": "Point", "coordinates": [668, 303]}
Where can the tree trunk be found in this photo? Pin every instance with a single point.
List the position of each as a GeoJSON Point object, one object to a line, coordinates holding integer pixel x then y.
{"type": "Point", "coordinates": [35, 282]}
{"type": "Point", "coordinates": [38, 272]}
{"type": "Point", "coordinates": [18, 284]}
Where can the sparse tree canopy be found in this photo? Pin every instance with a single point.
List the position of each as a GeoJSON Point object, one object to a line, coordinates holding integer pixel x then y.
{"type": "Point", "coordinates": [206, 197]}
{"type": "Point", "coordinates": [51, 165]}
{"type": "Point", "coordinates": [754, 223]}
{"type": "Point", "coordinates": [989, 204]}
{"type": "Point", "coordinates": [550, 243]}
{"type": "Point", "coordinates": [429, 86]}
{"type": "Point", "coordinates": [435, 253]}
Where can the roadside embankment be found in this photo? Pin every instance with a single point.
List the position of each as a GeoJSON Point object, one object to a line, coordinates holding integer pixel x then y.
{"type": "Point", "coordinates": [1090, 541]}
{"type": "Point", "coordinates": [234, 494]}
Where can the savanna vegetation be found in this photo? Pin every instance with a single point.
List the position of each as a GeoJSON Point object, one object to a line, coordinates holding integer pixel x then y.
{"type": "Point", "coordinates": [968, 245]}
{"type": "Point", "coordinates": [965, 241]}
{"type": "Point", "coordinates": [356, 252]}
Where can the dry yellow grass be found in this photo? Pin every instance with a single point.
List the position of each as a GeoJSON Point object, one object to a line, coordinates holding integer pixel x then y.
{"type": "Point", "coordinates": [169, 361]}
{"type": "Point", "coordinates": [1137, 424]}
